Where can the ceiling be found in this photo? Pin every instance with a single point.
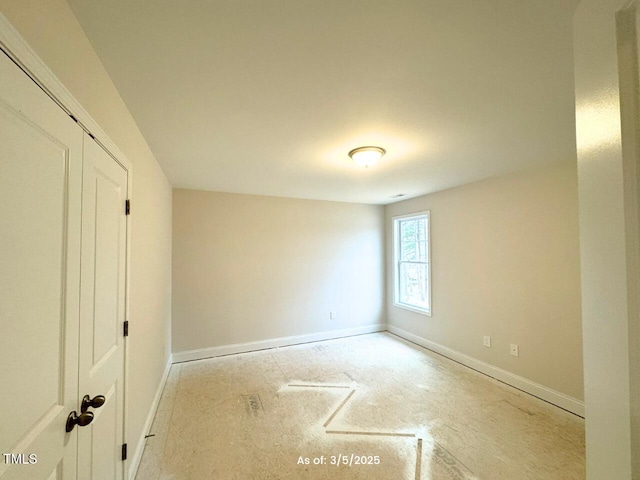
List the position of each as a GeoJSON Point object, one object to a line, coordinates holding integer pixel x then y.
{"type": "Point", "coordinates": [268, 96]}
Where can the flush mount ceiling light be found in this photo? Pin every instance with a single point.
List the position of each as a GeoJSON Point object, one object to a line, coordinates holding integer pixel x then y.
{"type": "Point", "coordinates": [365, 156]}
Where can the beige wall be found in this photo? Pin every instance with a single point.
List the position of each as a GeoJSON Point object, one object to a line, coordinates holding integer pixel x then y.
{"type": "Point", "coordinates": [54, 33]}
{"type": "Point", "coordinates": [505, 263]}
{"type": "Point", "coordinates": [249, 268]}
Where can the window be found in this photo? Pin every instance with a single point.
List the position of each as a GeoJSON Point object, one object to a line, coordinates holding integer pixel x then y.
{"type": "Point", "coordinates": [412, 277]}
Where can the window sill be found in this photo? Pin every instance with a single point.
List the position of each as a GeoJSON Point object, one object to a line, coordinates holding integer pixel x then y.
{"type": "Point", "coordinates": [421, 311]}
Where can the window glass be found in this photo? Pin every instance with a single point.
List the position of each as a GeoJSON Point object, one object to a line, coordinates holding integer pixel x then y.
{"type": "Point", "coordinates": [411, 243]}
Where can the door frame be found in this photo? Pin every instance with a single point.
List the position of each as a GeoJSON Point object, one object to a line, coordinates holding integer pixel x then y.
{"type": "Point", "coordinates": [16, 47]}
{"type": "Point", "coordinates": [608, 185]}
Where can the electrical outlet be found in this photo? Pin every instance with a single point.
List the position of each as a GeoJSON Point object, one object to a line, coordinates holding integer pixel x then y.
{"type": "Point", "coordinates": [332, 315]}
{"type": "Point", "coordinates": [487, 342]}
{"type": "Point", "coordinates": [514, 350]}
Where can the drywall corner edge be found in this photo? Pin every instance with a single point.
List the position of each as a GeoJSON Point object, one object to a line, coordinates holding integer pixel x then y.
{"type": "Point", "coordinates": [218, 351]}
{"type": "Point", "coordinates": [549, 395]}
{"type": "Point", "coordinates": [137, 454]}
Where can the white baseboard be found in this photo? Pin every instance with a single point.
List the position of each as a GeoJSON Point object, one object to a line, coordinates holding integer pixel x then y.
{"type": "Point", "coordinates": [561, 400]}
{"type": "Point", "coordinates": [137, 454]}
{"type": "Point", "coordinates": [274, 342]}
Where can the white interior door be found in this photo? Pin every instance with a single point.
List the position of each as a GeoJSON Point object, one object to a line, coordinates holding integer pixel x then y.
{"type": "Point", "coordinates": [102, 312]}
{"type": "Point", "coordinates": [40, 191]}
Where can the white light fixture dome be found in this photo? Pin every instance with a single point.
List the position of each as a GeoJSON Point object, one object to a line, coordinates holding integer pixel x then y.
{"type": "Point", "coordinates": [366, 156]}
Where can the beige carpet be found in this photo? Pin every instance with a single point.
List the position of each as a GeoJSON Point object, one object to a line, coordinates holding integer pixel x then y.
{"type": "Point", "coordinates": [365, 407]}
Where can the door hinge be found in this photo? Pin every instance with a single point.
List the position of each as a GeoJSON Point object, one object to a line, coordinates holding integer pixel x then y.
{"type": "Point", "coordinates": [127, 207]}
{"type": "Point", "coordinates": [124, 451]}
{"type": "Point", "coordinates": [126, 328]}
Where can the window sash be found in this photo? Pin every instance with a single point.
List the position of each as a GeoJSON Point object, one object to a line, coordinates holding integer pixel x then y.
{"type": "Point", "coordinates": [412, 249]}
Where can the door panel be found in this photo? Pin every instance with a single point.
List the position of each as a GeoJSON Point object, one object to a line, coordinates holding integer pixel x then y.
{"type": "Point", "coordinates": [107, 425]}
{"type": "Point", "coordinates": [102, 311]}
{"type": "Point", "coordinates": [32, 298]}
{"type": "Point", "coordinates": [40, 189]}
{"type": "Point", "coordinates": [108, 204]}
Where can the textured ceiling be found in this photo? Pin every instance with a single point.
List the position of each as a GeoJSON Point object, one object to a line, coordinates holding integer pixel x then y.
{"type": "Point", "coordinates": [268, 96]}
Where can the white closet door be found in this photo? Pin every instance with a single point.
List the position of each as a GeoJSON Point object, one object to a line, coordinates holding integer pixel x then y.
{"type": "Point", "coordinates": [102, 312]}
{"type": "Point", "coordinates": [40, 191]}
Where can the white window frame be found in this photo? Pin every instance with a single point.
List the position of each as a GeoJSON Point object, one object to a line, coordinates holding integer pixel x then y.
{"type": "Point", "coordinates": [396, 262]}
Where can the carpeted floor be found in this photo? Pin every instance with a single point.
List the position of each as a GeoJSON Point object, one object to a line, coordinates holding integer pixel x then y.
{"type": "Point", "coordinates": [365, 407]}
